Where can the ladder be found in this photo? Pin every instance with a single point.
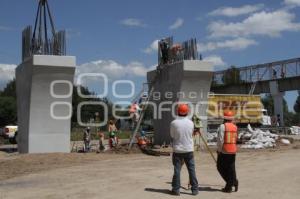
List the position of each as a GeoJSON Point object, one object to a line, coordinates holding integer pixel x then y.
{"type": "Point", "coordinates": [137, 127]}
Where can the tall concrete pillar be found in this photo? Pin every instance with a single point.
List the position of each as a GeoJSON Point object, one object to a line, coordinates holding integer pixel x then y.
{"type": "Point", "coordinates": [278, 100]}
{"type": "Point", "coordinates": [44, 101]}
{"type": "Point", "coordinates": [187, 81]}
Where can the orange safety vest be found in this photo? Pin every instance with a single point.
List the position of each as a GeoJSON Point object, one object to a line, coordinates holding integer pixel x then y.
{"type": "Point", "coordinates": [230, 138]}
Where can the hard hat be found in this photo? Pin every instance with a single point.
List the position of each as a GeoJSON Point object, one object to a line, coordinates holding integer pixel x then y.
{"type": "Point", "coordinates": [88, 128]}
{"type": "Point", "coordinates": [228, 115]}
{"type": "Point", "coordinates": [182, 109]}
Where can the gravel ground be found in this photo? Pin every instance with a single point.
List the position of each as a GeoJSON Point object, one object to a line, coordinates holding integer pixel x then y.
{"type": "Point", "coordinates": [262, 174]}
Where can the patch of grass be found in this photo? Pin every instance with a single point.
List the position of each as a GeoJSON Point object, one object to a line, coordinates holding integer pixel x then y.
{"type": "Point", "coordinates": [3, 141]}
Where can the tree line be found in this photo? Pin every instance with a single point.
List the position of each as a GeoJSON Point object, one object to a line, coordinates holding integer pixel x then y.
{"type": "Point", "coordinates": [8, 105]}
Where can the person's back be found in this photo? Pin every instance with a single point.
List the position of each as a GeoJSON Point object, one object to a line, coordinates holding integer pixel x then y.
{"type": "Point", "coordinates": [182, 135]}
{"type": "Point", "coordinates": [86, 135]}
{"type": "Point", "coordinates": [181, 132]}
{"type": "Point", "coordinates": [227, 148]}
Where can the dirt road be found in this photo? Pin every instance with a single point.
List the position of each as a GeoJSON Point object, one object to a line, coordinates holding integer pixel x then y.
{"type": "Point", "coordinates": [262, 174]}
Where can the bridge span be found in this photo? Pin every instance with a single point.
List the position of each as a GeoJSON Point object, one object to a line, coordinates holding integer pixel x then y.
{"type": "Point", "coordinates": [274, 78]}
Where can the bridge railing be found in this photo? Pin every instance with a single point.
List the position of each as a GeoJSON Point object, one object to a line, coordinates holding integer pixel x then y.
{"type": "Point", "coordinates": [261, 72]}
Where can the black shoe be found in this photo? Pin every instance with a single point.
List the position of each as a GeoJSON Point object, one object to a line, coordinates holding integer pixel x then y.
{"type": "Point", "coordinates": [175, 193]}
{"type": "Point", "coordinates": [227, 189]}
{"type": "Point", "coordinates": [236, 186]}
{"type": "Point", "coordinates": [194, 193]}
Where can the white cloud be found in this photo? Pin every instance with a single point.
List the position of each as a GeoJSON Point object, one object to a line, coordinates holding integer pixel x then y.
{"type": "Point", "coordinates": [236, 11]}
{"type": "Point", "coordinates": [234, 44]}
{"type": "Point", "coordinates": [7, 73]}
{"type": "Point", "coordinates": [177, 24]}
{"type": "Point", "coordinates": [132, 22]}
{"type": "Point", "coordinates": [292, 2]}
{"type": "Point", "coordinates": [152, 48]}
{"type": "Point", "coordinates": [113, 69]}
{"type": "Point", "coordinates": [216, 60]}
{"type": "Point", "coordinates": [262, 23]}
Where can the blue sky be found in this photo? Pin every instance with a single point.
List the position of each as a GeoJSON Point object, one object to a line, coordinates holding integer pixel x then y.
{"type": "Point", "coordinates": [115, 37]}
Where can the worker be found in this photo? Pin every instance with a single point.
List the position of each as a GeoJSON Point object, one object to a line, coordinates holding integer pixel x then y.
{"type": "Point", "coordinates": [278, 122]}
{"type": "Point", "coordinates": [164, 51]}
{"type": "Point", "coordinates": [274, 74]}
{"type": "Point", "coordinates": [176, 52]}
{"type": "Point", "coordinates": [197, 131]}
{"type": "Point", "coordinates": [101, 141]}
{"type": "Point", "coordinates": [226, 142]}
{"type": "Point", "coordinates": [134, 114]}
{"type": "Point", "coordinates": [112, 130]}
{"type": "Point", "coordinates": [87, 139]}
{"type": "Point", "coordinates": [181, 132]}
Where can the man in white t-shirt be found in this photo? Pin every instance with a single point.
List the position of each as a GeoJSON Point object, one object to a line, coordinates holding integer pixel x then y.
{"type": "Point", "coordinates": [181, 132]}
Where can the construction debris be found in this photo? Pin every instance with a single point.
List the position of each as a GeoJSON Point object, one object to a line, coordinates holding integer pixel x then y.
{"type": "Point", "coordinates": [212, 137]}
{"type": "Point", "coordinates": [285, 141]}
{"type": "Point", "coordinates": [295, 130]}
{"type": "Point", "coordinates": [258, 139]}
{"type": "Point", "coordinates": [251, 138]}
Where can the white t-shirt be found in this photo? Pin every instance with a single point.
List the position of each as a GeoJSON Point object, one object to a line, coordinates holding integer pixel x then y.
{"type": "Point", "coordinates": [181, 132]}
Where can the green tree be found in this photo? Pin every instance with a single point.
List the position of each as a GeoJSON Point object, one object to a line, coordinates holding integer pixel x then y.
{"type": "Point", "coordinates": [268, 103]}
{"type": "Point", "coordinates": [232, 76]}
{"type": "Point", "coordinates": [10, 89]}
{"type": "Point", "coordinates": [290, 118]}
{"type": "Point", "coordinates": [88, 112]}
{"type": "Point", "coordinates": [297, 105]}
{"type": "Point", "coordinates": [8, 105]}
{"type": "Point", "coordinates": [8, 111]}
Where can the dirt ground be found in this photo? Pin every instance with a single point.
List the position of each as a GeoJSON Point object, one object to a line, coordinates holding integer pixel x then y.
{"type": "Point", "coordinates": [262, 174]}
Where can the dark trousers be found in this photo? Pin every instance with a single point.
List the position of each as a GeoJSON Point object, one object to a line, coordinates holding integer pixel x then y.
{"type": "Point", "coordinates": [86, 146]}
{"type": "Point", "coordinates": [226, 168]}
{"type": "Point", "coordinates": [188, 159]}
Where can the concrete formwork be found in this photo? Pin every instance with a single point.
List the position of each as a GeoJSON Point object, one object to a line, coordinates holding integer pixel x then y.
{"type": "Point", "coordinates": [187, 81]}
{"type": "Point", "coordinates": [38, 131]}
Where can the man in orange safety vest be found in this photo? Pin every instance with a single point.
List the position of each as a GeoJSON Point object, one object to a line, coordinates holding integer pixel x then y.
{"type": "Point", "coordinates": [226, 142]}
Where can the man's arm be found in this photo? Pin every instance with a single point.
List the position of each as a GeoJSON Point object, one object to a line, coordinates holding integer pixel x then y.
{"type": "Point", "coordinates": [172, 134]}
{"type": "Point", "coordinates": [172, 131]}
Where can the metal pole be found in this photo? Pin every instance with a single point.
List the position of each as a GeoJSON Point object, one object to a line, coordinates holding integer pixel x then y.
{"type": "Point", "coordinates": [209, 150]}
{"type": "Point", "coordinates": [51, 19]}
{"type": "Point", "coordinates": [36, 20]}
{"type": "Point", "coordinates": [45, 29]}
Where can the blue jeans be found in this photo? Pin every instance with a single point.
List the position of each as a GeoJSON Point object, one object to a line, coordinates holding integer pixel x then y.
{"type": "Point", "coordinates": [178, 160]}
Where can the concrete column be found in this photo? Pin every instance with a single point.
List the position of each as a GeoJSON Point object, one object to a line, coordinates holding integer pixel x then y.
{"type": "Point", "coordinates": [187, 81]}
{"type": "Point", "coordinates": [44, 86]}
{"type": "Point", "coordinates": [278, 100]}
